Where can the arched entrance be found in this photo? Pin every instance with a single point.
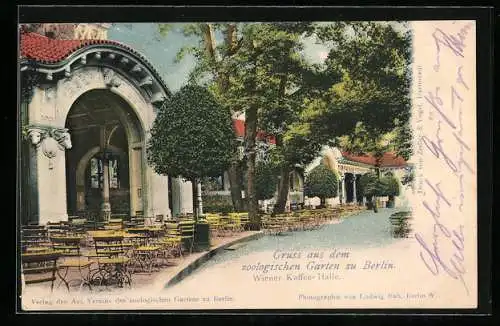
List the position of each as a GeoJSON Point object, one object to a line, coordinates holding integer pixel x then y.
{"type": "Point", "coordinates": [104, 171]}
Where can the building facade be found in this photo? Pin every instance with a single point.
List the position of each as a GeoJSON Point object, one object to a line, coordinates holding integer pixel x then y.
{"type": "Point", "coordinates": [350, 169]}
{"type": "Point", "coordinates": [87, 106]}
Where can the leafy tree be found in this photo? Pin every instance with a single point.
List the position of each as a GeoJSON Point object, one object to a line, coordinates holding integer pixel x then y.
{"type": "Point", "coordinates": [258, 70]}
{"type": "Point", "coordinates": [286, 80]}
{"type": "Point", "coordinates": [372, 186]}
{"type": "Point", "coordinates": [191, 137]}
{"type": "Point", "coordinates": [321, 182]}
{"type": "Point", "coordinates": [368, 185]}
{"type": "Point", "coordinates": [374, 60]}
{"type": "Point", "coordinates": [266, 180]}
{"type": "Point", "coordinates": [391, 186]}
{"type": "Point", "coordinates": [253, 71]}
{"type": "Point", "coordinates": [370, 107]}
{"type": "Point", "coordinates": [210, 69]}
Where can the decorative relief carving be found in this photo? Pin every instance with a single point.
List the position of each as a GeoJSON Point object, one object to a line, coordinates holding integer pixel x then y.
{"type": "Point", "coordinates": [79, 81]}
{"type": "Point", "coordinates": [49, 149]}
{"type": "Point", "coordinates": [50, 139]}
{"type": "Point", "coordinates": [110, 79]}
{"type": "Point", "coordinates": [36, 135]}
{"type": "Point", "coordinates": [63, 138]}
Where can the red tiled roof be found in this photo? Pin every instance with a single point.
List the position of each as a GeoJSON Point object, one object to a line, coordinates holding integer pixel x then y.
{"type": "Point", "coordinates": [388, 159]}
{"type": "Point", "coordinates": [46, 50]}
{"type": "Point", "coordinates": [239, 128]}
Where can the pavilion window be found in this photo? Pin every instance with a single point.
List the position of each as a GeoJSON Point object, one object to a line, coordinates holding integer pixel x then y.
{"type": "Point", "coordinates": [96, 173]}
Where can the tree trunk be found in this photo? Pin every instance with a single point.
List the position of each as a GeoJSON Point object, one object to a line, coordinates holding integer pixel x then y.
{"type": "Point", "coordinates": [250, 136]}
{"type": "Point", "coordinates": [209, 39]}
{"type": "Point", "coordinates": [377, 171]}
{"type": "Point", "coordinates": [284, 184]}
{"type": "Point", "coordinates": [235, 185]}
{"type": "Point", "coordinates": [283, 188]}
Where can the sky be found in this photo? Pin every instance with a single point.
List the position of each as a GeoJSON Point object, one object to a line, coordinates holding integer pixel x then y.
{"type": "Point", "coordinates": [162, 50]}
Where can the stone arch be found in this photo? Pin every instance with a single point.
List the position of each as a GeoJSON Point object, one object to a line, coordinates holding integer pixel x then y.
{"type": "Point", "coordinates": [136, 124]}
{"type": "Point", "coordinates": [85, 79]}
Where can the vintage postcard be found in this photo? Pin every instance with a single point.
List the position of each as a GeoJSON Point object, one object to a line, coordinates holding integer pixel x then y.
{"type": "Point", "coordinates": [248, 165]}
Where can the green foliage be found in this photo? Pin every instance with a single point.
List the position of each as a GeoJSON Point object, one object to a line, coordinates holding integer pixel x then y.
{"type": "Point", "coordinates": [362, 90]}
{"type": "Point", "coordinates": [409, 176]}
{"type": "Point", "coordinates": [266, 180]}
{"type": "Point", "coordinates": [390, 186]}
{"type": "Point", "coordinates": [164, 29]}
{"type": "Point", "coordinates": [321, 182]}
{"type": "Point", "coordinates": [387, 185]}
{"type": "Point", "coordinates": [373, 97]}
{"type": "Point", "coordinates": [217, 204]}
{"type": "Point", "coordinates": [191, 136]}
{"type": "Point", "coordinates": [369, 185]}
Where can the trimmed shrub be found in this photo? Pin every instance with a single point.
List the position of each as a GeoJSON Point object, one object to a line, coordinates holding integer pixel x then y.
{"type": "Point", "coordinates": [321, 182]}
{"type": "Point", "coordinates": [217, 204]}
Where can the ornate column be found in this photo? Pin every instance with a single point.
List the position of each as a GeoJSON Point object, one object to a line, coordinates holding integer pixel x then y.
{"type": "Point", "coordinates": [48, 171]}
{"type": "Point", "coordinates": [105, 204]}
{"type": "Point", "coordinates": [354, 189]}
{"type": "Point", "coordinates": [105, 155]}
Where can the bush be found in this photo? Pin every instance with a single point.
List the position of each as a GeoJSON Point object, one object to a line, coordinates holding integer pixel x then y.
{"type": "Point", "coordinates": [368, 185]}
{"type": "Point", "coordinates": [321, 182]}
{"type": "Point", "coordinates": [390, 186]}
{"type": "Point", "coordinates": [217, 204]}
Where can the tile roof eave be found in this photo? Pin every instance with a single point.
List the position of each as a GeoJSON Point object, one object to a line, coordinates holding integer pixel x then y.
{"type": "Point", "coordinates": [27, 61]}
{"type": "Point", "coordinates": [360, 164]}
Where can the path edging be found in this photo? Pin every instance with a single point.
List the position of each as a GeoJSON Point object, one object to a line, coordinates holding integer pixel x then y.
{"type": "Point", "coordinates": [186, 271]}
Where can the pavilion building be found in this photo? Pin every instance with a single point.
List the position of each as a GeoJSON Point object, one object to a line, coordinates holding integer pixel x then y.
{"type": "Point", "coordinates": [87, 105]}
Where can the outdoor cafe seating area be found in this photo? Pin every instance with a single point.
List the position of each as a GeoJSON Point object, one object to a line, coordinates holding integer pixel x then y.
{"type": "Point", "coordinates": [304, 220]}
{"type": "Point", "coordinates": [82, 253]}
{"type": "Point", "coordinates": [85, 254]}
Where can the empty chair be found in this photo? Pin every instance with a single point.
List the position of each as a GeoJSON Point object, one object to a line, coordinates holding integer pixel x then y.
{"type": "Point", "coordinates": [186, 231]}
{"type": "Point", "coordinates": [34, 236]}
{"type": "Point", "coordinates": [57, 228]}
{"type": "Point", "coordinates": [39, 267]}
